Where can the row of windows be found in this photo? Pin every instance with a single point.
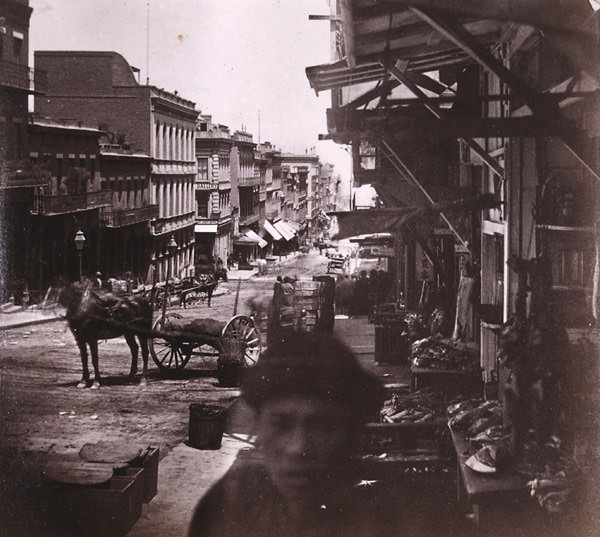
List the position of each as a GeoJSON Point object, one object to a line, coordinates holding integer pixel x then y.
{"type": "Point", "coordinates": [173, 143]}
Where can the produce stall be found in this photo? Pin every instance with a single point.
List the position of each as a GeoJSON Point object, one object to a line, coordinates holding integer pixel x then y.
{"type": "Point", "coordinates": [451, 367]}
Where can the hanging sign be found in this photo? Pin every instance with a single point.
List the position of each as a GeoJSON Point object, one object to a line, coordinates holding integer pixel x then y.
{"type": "Point", "coordinates": [424, 268]}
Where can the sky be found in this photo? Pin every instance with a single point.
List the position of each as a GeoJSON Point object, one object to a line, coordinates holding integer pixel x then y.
{"type": "Point", "coordinates": [241, 61]}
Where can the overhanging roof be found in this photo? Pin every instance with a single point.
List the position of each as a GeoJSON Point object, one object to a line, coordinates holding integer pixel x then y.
{"type": "Point", "coordinates": [372, 29]}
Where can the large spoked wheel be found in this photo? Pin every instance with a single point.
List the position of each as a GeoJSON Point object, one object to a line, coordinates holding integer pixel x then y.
{"type": "Point", "coordinates": [245, 330]}
{"type": "Point", "coordinates": [168, 354]}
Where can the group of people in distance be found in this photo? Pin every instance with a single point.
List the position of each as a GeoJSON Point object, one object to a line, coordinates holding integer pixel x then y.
{"type": "Point", "coordinates": [354, 296]}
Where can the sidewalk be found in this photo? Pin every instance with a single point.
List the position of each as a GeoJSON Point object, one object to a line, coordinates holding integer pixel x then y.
{"type": "Point", "coordinates": [186, 473]}
{"type": "Point", "coordinates": [17, 317]}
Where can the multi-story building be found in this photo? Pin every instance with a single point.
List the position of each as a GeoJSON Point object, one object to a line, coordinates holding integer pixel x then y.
{"type": "Point", "coordinates": [298, 170]}
{"type": "Point", "coordinates": [18, 178]}
{"type": "Point", "coordinates": [68, 157]}
{"type": "Point", "coordinates": [213, 228]}
{"type": "Point", "coordinates": [245, 199]}
{"type": "Point", "coordinates": [101, 89]}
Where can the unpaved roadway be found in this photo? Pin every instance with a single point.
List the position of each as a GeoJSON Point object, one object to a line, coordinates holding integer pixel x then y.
{"type": "Point", "coordinates": [43, 415]}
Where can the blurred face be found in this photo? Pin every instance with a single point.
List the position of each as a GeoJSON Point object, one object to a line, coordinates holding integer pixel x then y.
{"type": "Point", "coordinates": [303, 439]}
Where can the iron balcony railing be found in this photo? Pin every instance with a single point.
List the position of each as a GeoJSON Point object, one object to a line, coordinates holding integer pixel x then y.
{"type": "Point", "coordinates": [249, 181]}
{"type": "Point", "coordinates": [69, 203]}
{"type": "Point", "coordinates": [113, 217]}
{"type": "Point", "coordinates": [23, 77]}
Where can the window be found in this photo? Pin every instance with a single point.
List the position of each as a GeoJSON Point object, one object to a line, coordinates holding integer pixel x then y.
{"type": "Point", "coordinates": [17, 44]}
{"type": "Point", "coordinates": [202, 204]}
{"type": "Point", "coordinates": [203, 169]}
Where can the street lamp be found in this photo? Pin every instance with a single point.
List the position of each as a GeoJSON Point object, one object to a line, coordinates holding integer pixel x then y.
{"type": "Point", "coordinates": [79, 241]}
{"type": "Point", "coordinates": [171, 248]}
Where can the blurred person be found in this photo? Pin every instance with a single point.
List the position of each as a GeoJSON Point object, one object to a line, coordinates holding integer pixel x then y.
{"type": "Point", "coordinates": [311, 400]}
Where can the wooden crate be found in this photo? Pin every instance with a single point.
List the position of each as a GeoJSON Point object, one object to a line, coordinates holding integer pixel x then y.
{"type": "Point", "coordinates": [149, 463]}
{"type": "Point", "coordinates": [96, 511]}
{"type": "Point", "coordinates": [404, 447]}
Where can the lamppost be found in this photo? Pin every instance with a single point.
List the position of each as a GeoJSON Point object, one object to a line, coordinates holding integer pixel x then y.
{"type": "Point", "coordinates": [79, 241]}
{"type": "Point", "coordinates": [171, 248]}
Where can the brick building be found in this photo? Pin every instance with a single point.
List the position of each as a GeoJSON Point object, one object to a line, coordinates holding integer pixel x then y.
{"type": "Point", "coordinates": [18, 178]}
{"type": "Point", "coordinates": [101, 89]}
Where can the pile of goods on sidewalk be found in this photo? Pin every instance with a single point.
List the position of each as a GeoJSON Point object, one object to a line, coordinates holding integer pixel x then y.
{"type": "Point", "coordinates": [101, 490]}
{"type": "Point", "coordinates": [418, 407]}
{"type": "Point", "coordinates": [435, 353]}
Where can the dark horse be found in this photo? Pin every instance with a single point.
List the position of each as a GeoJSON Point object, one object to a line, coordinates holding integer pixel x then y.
{"type": "Point", "coordinates": [204, 283]}
{"type": "Point", "coordinates": [95, 314]}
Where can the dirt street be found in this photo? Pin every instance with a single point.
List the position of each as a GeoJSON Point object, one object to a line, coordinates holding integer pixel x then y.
{"type": "Point", "coordinates": [44, 415]}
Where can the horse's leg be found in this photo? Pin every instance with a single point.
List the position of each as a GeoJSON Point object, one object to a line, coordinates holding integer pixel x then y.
{"type": "Point", "coordinates": [144, 346]}
{"type": "Point", "coordinates": [133, 347]}
{"type": "Point", "coordinates": [85, 378]}
{"type": "Point", "coordinates": [93, 343]}
{"type": "Point", "coordinates": [209, 294]}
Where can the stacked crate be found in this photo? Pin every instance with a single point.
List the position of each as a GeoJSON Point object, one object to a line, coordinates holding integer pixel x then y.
{"type": "Point", "coordinates": [307, 305]}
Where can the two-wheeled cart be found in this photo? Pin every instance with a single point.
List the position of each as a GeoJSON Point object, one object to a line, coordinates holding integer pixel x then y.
{"type": "Point", "coordinates": [236, 342]}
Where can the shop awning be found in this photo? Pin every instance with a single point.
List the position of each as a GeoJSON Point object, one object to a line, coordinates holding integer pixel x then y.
{"type": "Point", "coordinates": [244, 240]}
{"type": "Point", "coordinates": [205, 228]}
{"type": "Point", "coordinates": [255, 236]}
{"type": "Point", "coordinates": [286, 231]}
{"type": "Point", "coordinates": [272, 231]}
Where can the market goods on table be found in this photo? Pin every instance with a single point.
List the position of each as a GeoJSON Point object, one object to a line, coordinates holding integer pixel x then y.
{"type": "Point", "coordinates": [435, 353]}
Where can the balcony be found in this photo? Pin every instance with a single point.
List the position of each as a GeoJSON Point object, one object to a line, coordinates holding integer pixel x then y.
{"type": "Point", "coordinates": [248, 219]}
{"type": "Point", "coordinates": [20, 174]}
{"type": "Point", "coordinates": [22, 77]}
{"type": "Point", "coordinates": [113, 217]}
{"type": "Point", "coordinates": [70, 203]}
{"type": "Point", "coordinates": [249, 181]}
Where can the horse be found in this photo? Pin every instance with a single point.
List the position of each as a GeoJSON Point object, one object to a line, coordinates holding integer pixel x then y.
{"type": "Point", "coordinates": [94, 314]}
{"type": "Point", "coordinates": [204, 283]}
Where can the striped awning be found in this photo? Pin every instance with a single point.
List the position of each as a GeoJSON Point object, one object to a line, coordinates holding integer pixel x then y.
{"type": "Point", "coordinates": [272, 231]}
{"type": "Point", "coordinates": [286, 231]}
{"type": "Point", "coordinates": [253, 235]}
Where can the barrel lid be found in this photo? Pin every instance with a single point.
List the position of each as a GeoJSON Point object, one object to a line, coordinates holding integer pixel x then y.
{"type": "Point", "coordinates": [115, 453]}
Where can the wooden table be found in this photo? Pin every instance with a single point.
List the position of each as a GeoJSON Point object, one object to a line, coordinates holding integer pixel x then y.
{"type": "Point", "coordinates": [495, 500]}
{"type": "Point", "coordinates": [450, 381]}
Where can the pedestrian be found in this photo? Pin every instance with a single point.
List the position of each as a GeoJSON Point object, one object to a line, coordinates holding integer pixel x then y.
{"type": "Point", "coordinates": [361, 294]}
{"type": "Point", "coordinates": [311, 400]}
{"type": "Point", "coordinates": [97, 284]}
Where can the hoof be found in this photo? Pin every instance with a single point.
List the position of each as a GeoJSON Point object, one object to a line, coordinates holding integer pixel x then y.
{"type": "Point", "coordinates": [82, 384]}
{"type": "Point", "coordinates": [95, 385]}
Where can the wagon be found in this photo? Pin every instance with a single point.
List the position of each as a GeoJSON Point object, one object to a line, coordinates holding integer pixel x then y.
{"type": "Point", "coordinates": [187, 291]}
{"type": "Point", "coordinates": [237, 343]}
{"type": "Point", "coordinates": [337, 264]}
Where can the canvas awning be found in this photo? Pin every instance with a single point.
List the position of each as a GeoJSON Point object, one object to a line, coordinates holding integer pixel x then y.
{"type": "Point", "coordinates": [205, 228]}
{"type": "Point", "coordinates": [255, 236]}
{"type": "Point", "coordinates": [244, 240]}
{"type": "Point", "coordinates": [285, 230]}
{"type": "Point", "coordinates": [270, 229]}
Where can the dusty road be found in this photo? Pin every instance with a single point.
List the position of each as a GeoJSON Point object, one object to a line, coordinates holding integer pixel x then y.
{"type": "Point", "coordinates": [43, 415]}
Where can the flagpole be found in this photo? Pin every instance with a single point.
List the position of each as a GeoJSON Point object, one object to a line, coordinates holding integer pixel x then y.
{"type": "Point", "coordinates": [147, 43]}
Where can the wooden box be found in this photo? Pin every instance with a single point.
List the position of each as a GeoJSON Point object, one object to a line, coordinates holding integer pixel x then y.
{"type": "Point", "coordinates": [97, 511]}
